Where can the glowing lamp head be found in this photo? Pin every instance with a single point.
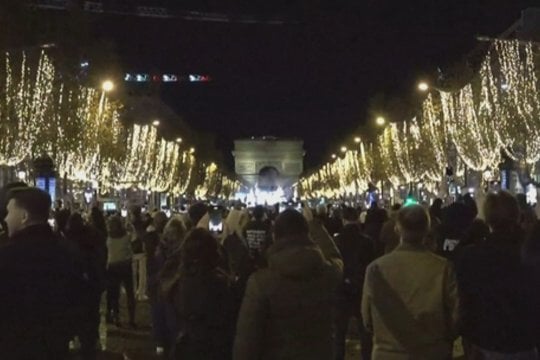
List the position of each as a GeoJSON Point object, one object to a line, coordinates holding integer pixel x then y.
{"type": "Point", "coordinates": [334, 156]}
{"type": "Point", "coordinates": [155, 122]}
{"type": "Point", "coordinates": [380, 121]}
{"type": "Point", "coordinates": [192, 151]}
{"type": "Point", "coordinates": [179, 140]}
{"type": "Point", "coordinates": [107, 85]}
{"type": "Point", "coordinates": [423, 86]}
{"type": "Point", "coordinates": [357, 140]}
{"type": "Point", "coordinates": [343, 149]}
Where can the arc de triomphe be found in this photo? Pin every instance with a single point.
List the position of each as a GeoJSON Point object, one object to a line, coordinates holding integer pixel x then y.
{"type": "Point", "coordinates": [269, 162]}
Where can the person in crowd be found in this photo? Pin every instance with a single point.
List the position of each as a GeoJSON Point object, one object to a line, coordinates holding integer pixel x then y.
{"type": "Point", "coordinates": [436, 212]}
{"type": "Point", "coordinates": [61, 218]}
{"type": "Point", "coordinates": [499, 304]}
{"type": "Point", "coordinates": [203, 301]}
{"type": "Point", "coordinates": [152, 240]}
{"type": "Point", "coordinates": [457, 220]}
{"type": "Point", "coordinates": [4, 237]}
{"type": "Point", "coordinates": [137, 225]}
{"type": "Point", "coordinates": [334, 223]}
{"type": "Point", "coordinates": [159, 247]}
{"type": "Point", "coordinates": [530, 256]}
{"type": "Point", "coordinates": [287, 311]}
{"type": "Point", "coordinates": [241, 263]}
{"type": "Point", "coordinates": [375, 219]}
{"type": "Point", "coordinates": [357, 252]}
{"type": "Point", "coordinates": [389, 236]}
{"type": "Point", "coordinates": [196, 213]}
{"type": "Point", "coordinates": [93, 255]}
{"type": "Point", "coordinates": [97, 221]}
{"type": "Point", "coordinates": [58, 205]}
{"type": "Point", "coordinates": [119, 270]}
{"type": "Point", "coordinates": [40, 282]}
{"type": "Point", "coordinates": [258, 235]}
{"type": "Point", "coordinates": [476, 234]}
{"type": "Point", "coordinates": [410, 299]}
{"type": "Point", "coordinates": [527, 219]}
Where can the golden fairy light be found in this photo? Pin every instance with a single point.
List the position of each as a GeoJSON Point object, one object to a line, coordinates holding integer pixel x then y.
{"type": "Point", "coordinates": [79, 128]}
{"type": "Point", "coordinates": [499, 110]}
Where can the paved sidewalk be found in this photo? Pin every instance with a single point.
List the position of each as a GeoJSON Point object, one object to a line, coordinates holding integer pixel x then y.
{"type": "Point", "coordinates": [126, 344]}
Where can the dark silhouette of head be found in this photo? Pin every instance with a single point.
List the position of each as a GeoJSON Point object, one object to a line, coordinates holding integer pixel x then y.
{"type": "Point", "coordinates": [200, 251]}
{"type": "Point", "coordinates": [115, 227]}
{"type": "Point", "coordinates": [4, 199]}
{"type": "Point", "coordinates": [290, 224]}
{"type": "Point", "coordinates": [26, 206]}
{"type": "Point", "coordinates": [502, 212]}
{"type": "Point", "coordinates": [350, 215]}
{"type": "Point", "coordinates": [196, 212]}
{"type": "Point", "coordinates": [61, 218]}
{"type": "Point", "coordinates": [258, 212]}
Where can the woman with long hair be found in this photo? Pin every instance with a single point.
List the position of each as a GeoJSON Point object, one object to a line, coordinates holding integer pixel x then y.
{"type": "Point", "coordinates": [203, 301]}
{"type": "Point", "coordinates": [119, 270]}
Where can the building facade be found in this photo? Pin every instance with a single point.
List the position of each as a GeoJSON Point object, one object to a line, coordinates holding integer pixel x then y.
{"type": "Point", "coordinates": [269, 163]}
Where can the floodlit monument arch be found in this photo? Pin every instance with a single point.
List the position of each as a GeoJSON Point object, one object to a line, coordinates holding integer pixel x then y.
{"type": "Point", "coordinates": [269, 167]}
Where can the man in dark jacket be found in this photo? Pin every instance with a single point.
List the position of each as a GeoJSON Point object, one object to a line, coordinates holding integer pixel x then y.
{"type": "Point", "coordinates": [357, 252]}
{"type": "Point", "coordinates": [287, 308]}
{"type": "Point", "coordinates": [499, 298]}
{"type": "Point", "coordinates": [40, 283]}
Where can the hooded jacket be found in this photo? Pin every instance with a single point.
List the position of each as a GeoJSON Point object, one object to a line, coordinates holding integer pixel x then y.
{"type": "Point", "coordinates": [287, 309]}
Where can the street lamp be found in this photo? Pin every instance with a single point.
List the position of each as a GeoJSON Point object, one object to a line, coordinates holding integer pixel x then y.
{"type": "Point", "coordinates": [107, 86]}
{"type": "Point", "coordinates": [155, 122]}
{"type": "Point", "coordinates": [423, 86]}
{"type": "Point", "coordinates": [334, 156]}
{"type": "Point", "coordinates": [357, 140]}
{"type": "Point", "coordinates": [179, 140]}
{"type": "Point", "coordinates": [192, 151]}
{"type": "Point", "coordinates": [343, 149]}
{"type": "Point", "coordinates": [380, 121]}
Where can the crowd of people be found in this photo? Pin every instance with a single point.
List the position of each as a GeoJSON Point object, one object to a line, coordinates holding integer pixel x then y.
{"type": "Point", "coordinates": [257, 284]}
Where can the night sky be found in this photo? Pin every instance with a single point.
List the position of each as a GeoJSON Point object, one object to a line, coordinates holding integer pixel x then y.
{"type": "Point", "coordinates": [312, 79]}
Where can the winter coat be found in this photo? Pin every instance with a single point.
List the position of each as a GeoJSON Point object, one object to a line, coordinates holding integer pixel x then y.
{"type": "Point", "coordinates": [203, 304]}
{"type": "Point", "coordinates": [499, 296]}
{"type": "Point", "coordinates": [42, 286]}
{"type": "Point", "coordinates": [410, 303]}
{"type": "Point", "coordinates": [287, 309]}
